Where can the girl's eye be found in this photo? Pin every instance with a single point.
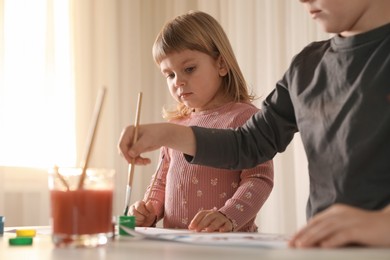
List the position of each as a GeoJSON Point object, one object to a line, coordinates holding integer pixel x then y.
{"type": "Point", "coordinates": [170, 76]}
{"type": "Point", "coordinates": [190, 69]}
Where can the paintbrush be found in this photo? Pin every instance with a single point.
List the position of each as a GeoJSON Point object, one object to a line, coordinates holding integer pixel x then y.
{"type": "Point", "coordinates": [132, 164]}
{"type": "Point", "coordinates": [91, 136]}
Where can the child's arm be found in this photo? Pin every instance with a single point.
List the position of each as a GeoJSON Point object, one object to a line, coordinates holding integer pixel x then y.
{"type": "Point", "coordinates": [153, 136]}
{"type": "Point", "coordinates": [342, 225]}
{"type": "Point", "coordinates": [155, 192]}
{"type": "Point", "coordinates": [149, 211]}
{"type": "Point", "coordinates": [253, 190]}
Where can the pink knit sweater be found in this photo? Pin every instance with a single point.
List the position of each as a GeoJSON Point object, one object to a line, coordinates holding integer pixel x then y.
{"type": "Point", "coordinates": [182, 189]}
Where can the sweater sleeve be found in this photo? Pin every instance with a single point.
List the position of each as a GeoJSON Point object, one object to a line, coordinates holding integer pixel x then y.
{"type": "Point", "coordinates": [254, 188]}
{"type": "Point", "coordinates": [157, 189]}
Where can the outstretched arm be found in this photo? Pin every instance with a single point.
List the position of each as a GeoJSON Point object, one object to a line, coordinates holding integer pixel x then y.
{"type": "Point", "coordinates": [152, 137]}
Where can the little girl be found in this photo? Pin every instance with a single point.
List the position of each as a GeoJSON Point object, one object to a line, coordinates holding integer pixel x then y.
{"type": "Point", "coordinates": [203, 76]}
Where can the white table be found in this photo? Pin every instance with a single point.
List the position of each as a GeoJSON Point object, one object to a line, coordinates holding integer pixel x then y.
{"type": "Point", "coordinates": [43, 249]}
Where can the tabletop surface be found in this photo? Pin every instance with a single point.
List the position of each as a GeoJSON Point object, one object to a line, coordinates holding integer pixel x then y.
{"type": "Point", "coordinates": [136, 248]}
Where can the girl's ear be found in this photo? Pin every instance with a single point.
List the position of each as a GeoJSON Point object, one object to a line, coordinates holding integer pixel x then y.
{"type": "Point", "coordinates": [222, 66]}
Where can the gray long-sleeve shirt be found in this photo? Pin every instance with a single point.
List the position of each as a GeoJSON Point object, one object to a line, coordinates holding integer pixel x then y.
{"type": "Point", "coordinates": [336, 93]}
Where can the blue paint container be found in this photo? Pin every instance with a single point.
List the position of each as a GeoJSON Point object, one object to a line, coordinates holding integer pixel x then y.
{"type": "Point", "coordinates": [2, 219]}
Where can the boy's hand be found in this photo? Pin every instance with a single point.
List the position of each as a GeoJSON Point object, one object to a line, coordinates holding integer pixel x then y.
{"type": "Point", "coordinates": [342, 225]}
{"type": "Point", "coordinates": [151, 137]}
{"type": "Point", "coordinates": [210, 221]}
{"type": "Point", "coordinates": [144, 213]}
{"type": "Point", "coordinates": [126, 142]}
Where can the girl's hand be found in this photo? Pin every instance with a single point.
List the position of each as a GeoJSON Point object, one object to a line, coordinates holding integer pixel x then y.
{"type": "Point", "coordinates": [342, 225]}
{"type": "Point", "coordinates": [210, 221]}
{"type": "Point", "coordinates": [144, 213]}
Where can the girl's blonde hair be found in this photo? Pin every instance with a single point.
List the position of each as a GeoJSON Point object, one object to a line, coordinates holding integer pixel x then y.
{"type": "Point", "coordinates": [199, 31]}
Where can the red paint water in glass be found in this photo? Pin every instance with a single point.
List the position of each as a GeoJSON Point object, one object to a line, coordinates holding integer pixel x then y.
{"type": "Point", "coordinates": [78, 212]}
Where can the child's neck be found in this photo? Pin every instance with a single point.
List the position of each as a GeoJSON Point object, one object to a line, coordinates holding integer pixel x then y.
{"type": "Point", "coordinates": [378, 16]}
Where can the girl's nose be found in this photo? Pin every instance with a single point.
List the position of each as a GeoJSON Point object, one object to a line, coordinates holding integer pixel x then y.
{"type": "Point", "coordinates": [179, 81]}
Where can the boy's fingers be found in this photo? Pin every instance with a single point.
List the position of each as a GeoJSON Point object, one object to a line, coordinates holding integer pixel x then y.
{"type": "Point", "coordinates": [124, 145]}
{"type": "Point", "coordinates": [125, 142]}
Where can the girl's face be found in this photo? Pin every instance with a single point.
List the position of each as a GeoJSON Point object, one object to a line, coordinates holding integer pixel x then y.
{"type": "Point", "coordinates": [345, 17]}
{"type": "Point", "coordinates": [194, 79]}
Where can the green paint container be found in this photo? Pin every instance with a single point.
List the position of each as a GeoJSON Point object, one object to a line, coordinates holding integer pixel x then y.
{"type": "Point", "coordinates": [125, 223]}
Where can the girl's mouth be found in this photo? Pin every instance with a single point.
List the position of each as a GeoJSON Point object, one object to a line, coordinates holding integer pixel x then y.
{"type": "Point", "coordinates": [184, 95]}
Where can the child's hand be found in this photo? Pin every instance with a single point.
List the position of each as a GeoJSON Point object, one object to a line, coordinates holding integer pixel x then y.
{"type": "Point", "coordinates": [342, 225]}
{"type": "Point", "coordinates": [144, 213]}
{"type": "Point", "coordinates": [210, 221]}
{"type": "Point", "coordinates": [151, 137]}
